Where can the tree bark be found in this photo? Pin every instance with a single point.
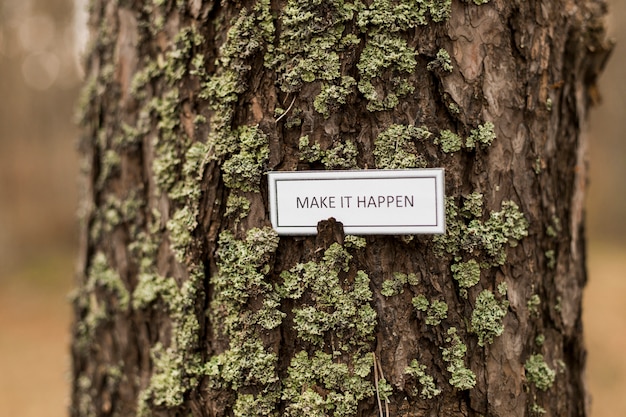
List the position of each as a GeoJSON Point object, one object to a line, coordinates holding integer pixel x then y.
{"type": "Point", "coordinates": [189, 304]}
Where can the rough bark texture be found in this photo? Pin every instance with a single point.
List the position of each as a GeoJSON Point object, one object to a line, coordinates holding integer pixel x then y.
{"type": "Point", "coordinates": [189, 304]}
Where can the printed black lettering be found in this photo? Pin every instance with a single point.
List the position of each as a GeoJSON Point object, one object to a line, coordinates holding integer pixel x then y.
{"type": "Point", "coordinates": [360, 201]}
{"type": "Point", "coordinates": [331, 202]}
{"type": "Point", "coordinates": [371, 202]}
{"type": "Point", "coordinates": [408, 201]}
{"type": "Point", "coordinates": [302, 203]}
{"type": "Point", "coordinates": [389, 200]}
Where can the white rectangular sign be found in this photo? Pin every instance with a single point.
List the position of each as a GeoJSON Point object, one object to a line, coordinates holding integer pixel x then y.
{"type": "Point", "coordinates": [390, 202]}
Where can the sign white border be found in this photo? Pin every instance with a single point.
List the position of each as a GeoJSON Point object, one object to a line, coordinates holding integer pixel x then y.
{"type": "Point", "coordinates": [437, 174]}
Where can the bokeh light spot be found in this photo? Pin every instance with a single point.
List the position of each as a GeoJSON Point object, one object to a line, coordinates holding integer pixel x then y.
{"type": "Point", "coordinates": [37, 33]}
{"type": "Point", "coordinates": [40, 70]}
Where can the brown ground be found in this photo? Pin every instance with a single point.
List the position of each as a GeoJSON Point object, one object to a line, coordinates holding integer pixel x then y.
{"type": "Point", "coordinates": [34, 339]}
{"type": "Point", "coordinates": [604, 318]}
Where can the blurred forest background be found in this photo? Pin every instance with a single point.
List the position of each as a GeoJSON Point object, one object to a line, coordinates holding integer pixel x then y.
{"type": "Point", "coordinates": [40, 79]}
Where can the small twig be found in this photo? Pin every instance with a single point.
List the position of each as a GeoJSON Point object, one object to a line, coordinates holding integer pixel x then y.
{"type": "Point", "coordinates": [377, 363]}
{"type": "Point", "coordinates": [286, 111]}
{"type": "Point", "coordinates": [380, 405]}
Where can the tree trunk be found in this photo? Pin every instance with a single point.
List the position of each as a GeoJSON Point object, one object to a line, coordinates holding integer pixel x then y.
{"type": "Point", "coordinates": [188, 303]}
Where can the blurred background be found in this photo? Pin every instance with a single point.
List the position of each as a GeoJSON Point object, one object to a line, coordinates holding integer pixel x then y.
{"type": "Point", "coordinates": [39, 81]}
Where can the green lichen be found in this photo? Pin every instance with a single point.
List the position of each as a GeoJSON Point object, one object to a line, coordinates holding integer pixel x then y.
{"type": "Point", "coordinates": [539, 373]}
{"type": "Point", "coordinates": [237, 206]}
{"type": "Point", "coordinates": [188, 189]}
{"type": "Point", "coordinates": [342, 387]}
{"type": "Point", "coordinates": [439, 10]}
{"type": "Point", "coordinates": [482, 136]}
{"type": "Point", "coordinates": [294, 119]}
{"type": "Point", "coordinates": [269, 316]}
{"type": "Point", "coordinates": [314, 39]}
{"type": "Point", "coordinates": [85, 403]}
{"type": "Point", "coordinates": [109, 164]}
{"type": "Point", "coordinates": [311, 42]}
{"type": "Point", "coordinates": [102, 275]}
{"type": "Point", "coordinates": [340, 156]}
{"type": "Point", "coordinates": [466, 274]}
{"type": "Point", "coordinates": [554, 228]}
{"type": "Point", "coordinates": [411, 278]}
{"type": "Point", "coordinates": [385, 51]}
{"type": "Point", "coordinates": [454, 108]}
{"type": "Point", "coordinates": [354, 242]}
{"type": "Point", "coordinates": [246, 363]}
{"type": "Point", "coordinates": [442, 61]}
{"type": "Point", "coordinates": [174, 170]}
{"type": "Point", "coordinates": [387, 59]}
{"type": "Point", "coordinates": [263, 404]}
{"type": "Point", "coordinates": [540, 340]}
{"type": "Point", "coordinates": [107, 217]}
{"type": "Point", "coordinates": [94, 315]}
{"type": "Point", "coordinates": [245, 161]}
{"type": "Point", "coordinates": [402, 15]}
{"type": "Point", "coordinates": [142, 78]}
{"type": "Point", "coordinates": [180, 227]}
{"type": "Point", "coordinates": [454, 354]}
{"type": "Point", "coordinates": [551, 258]}
{"type": "Point", "coordinates": [472, 205]}
{"type": "Point", "coordinates": [308, 152]}
{"type": "Point", "coordinates": [131, 135]}
{"type": "Point", "coordinates": [396, 147]}
{"type": "Point", "coordinates": [174, 151]}
{"type": "Point", "coordinates": [502, 288]}
{"type": "Point", "coordinates": [384, 390]}
{"type": "Point", "coordinates": [395, 285]}
{"type": "Point", "coordinates": [339, 308]}
{"type": "Point", "coordinates": [242, 268]}
{"type": "Point", "coordinates": [475, 237]}
{"type": "Point", "coordinates": [391, 287]}
{"type": "Point", "coordinates": [420, 303]}
{"type": "Point", "coordinates": [244, 150]}
{"type": "Point", "coordinates": [537, 409]}
{"type": "Point", "coordinates": [418, 371]}
{"type": "Point", "coordinates": [177, 60]}
{"type": "Point", "coordinates": [533, 304]}
{"type": "Point", "coordinates": [167, 159]}
{"type": "Point", "coordinates": [167, 385]}
{"type": "Point", "coordinates": [334, 315]}
{"type": "Point", "coordinates": [89, 92]}
{"type": "Point", "coordinates": [392, 17]}
{"type": "Point", "coordinates": [175, 367]}
{"type": "Point", "coordinates": [332, 96]}
{"type": "Point", "coordinates": [449, 141]}
{"type": "Point", "coordinates": [437, 311]}
{"type": "Point", "coordinates": [151, 287]}
{"type": "Point", "coordinates": [487, 317]}
{"type": "Point", "coordinates": [241, 282]}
